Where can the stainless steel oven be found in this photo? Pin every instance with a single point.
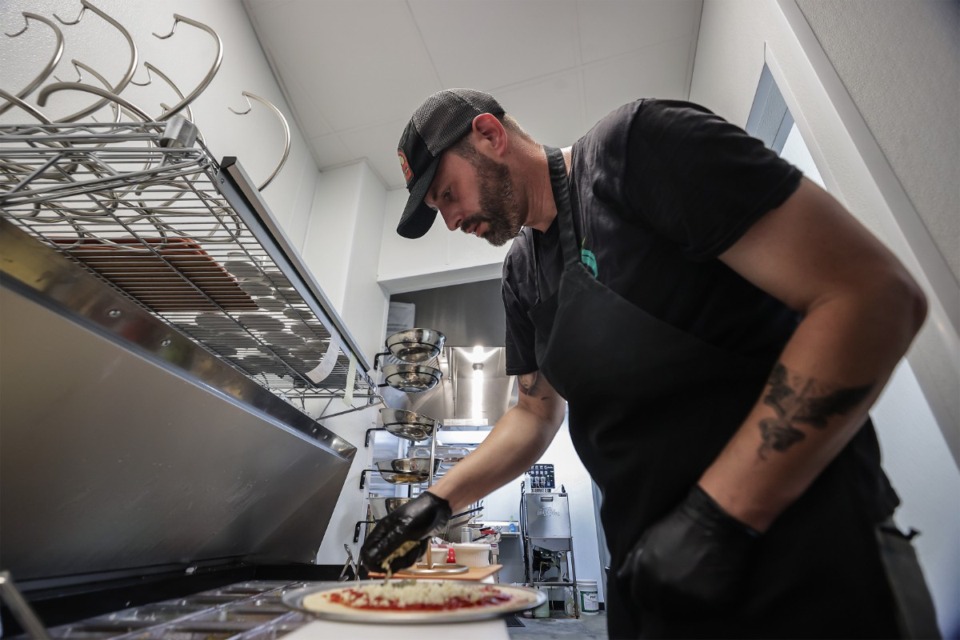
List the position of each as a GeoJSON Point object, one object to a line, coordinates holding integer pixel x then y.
{"type": "Point", "coordinates": [160, 344]}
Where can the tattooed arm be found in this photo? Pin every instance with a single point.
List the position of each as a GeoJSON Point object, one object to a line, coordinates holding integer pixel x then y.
{"type": "Point", "coordinates": [861, 310]}
{"type": "Point", "coordinates": [516, 442]}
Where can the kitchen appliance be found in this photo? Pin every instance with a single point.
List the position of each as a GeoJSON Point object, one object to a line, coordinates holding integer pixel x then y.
{"type": "Point", "coordinates": [547, 515]}
{"type": "Point", "coordinates": [407, 424]}
{"type": "Point", "coordinates": [413, 345]}
{"type": "Point", "coordinates": [411, 378]}
{"type": "Point", "coordinates": [167, 360]}
{"type": "Point", "coordinates": [548, 542]}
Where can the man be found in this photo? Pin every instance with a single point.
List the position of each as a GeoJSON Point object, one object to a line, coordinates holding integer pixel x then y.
{"type": "Point", "coordinates": [719, 326]}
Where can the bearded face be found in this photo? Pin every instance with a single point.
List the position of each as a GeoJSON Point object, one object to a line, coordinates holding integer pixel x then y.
{"type": "Point", "coordinates": [500, 208]}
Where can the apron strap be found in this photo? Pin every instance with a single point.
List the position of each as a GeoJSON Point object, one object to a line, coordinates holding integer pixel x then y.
{"type": "Point", "coordinates": [561, 196]}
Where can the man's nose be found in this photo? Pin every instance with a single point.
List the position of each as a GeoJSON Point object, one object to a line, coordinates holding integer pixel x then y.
{"type": "Point", "coordinates": [451, 218]}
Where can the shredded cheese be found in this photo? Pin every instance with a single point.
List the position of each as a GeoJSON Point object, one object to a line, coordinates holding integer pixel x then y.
{"type": "Point", "coordinates": [416, 595]}
{"type": "Point", "coordinates": [399, 551]}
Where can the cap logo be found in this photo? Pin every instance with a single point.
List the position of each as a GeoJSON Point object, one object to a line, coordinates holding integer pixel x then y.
{"type": "Point", "coordinates": [405, 166]}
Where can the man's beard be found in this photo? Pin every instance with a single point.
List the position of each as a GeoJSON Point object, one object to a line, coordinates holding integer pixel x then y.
{"type": "Point", "coordinates": [499, 207]}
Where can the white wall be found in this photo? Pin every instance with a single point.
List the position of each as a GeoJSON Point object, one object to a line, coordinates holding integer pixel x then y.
{"type": "Point", "coordinates": [440, 258]}
{"type": "Point", "coordinates": [351, 506]}
{"type": "Point", "coordinates": [186, 56]}
{"type": "Point", "coordinates": [341, 246]}
{"type": "Point", "coordinates": [736, 38]}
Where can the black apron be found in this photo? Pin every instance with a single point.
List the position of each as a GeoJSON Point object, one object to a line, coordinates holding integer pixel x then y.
{"type": "Point", "coordinates": [650, 407]}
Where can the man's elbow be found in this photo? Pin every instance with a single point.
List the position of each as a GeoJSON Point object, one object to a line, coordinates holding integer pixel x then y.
{"type": "Point", "coordinates": [905, 298]}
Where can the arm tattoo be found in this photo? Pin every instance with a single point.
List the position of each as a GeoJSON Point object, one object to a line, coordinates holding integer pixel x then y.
{"type": "Point", "coordinates": [527, 383]}
{"type": "Point", "coordinates": [798, 400]}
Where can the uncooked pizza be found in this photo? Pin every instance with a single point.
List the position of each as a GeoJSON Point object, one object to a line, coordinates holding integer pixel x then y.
{"type": "Point", "coordinates": [412, 595]}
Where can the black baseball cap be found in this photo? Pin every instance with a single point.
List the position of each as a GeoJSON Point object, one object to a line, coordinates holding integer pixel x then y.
{"type": "Point", "coordinates": [438, 123]}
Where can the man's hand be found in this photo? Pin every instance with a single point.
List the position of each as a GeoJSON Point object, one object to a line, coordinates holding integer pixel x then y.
{"type": "Point", "coordinates": [693, 558]}
{"type": "Point", "coordinates": [408, 525]}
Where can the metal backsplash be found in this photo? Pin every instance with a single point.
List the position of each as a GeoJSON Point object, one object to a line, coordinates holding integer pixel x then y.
{"type": "Point", "coordinates": [468, 395]}
{"type": "Point", "coordinates": [113, 459]}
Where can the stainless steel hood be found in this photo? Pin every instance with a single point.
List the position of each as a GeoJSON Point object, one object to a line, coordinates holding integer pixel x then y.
{"type": "Point", "coordinates": [474, 391]}
{"type": "Point", "coordinates": [151, 404]}
{"type": "Point", "coordinates": [114, 458]}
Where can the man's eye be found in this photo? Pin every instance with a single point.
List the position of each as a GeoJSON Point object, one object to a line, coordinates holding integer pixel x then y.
{"type": "Point", "coordinates": [446, 195]}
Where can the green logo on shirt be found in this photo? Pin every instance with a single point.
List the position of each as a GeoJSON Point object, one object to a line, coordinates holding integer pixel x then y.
{"type": "Point", "coordinates": [588, 259]}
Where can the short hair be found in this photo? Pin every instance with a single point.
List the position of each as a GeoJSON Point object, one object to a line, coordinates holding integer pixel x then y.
{"type": "Point", "coordinates": [465, 149]}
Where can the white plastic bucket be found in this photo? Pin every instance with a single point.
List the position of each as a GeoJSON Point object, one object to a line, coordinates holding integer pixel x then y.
{"type": "Point", "coordinates": [589, 600]}
{"type": "Point", "coordinates": [543, 611]}
{"type": "Point", "coordinates": [472, 554]}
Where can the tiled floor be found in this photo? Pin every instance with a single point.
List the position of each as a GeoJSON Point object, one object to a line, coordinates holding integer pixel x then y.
{"type": "Point", "coordinates": [587, 627]}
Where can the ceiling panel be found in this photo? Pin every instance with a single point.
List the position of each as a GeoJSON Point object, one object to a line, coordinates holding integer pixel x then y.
{"type": "Point", "coordinates": [486, 44]}
{"type": "Point", "coordinates": [357, 61]}
{"type": "Point", "coordinates": [330, 151]}
{"type": "Point", "coordinates": [354, 70]}
{"type": "Point", "coordinates": [378, 144]}
{"type": "Point", "coordinates": [614, 27]}
{"type": "Point", "coordinates": [549, 109]}
{"type": "Point", "coordinates": [611, 82]}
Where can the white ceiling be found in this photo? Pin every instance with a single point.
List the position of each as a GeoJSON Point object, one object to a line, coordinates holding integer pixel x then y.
{"type": "Point", "coordinates": [354, 70]}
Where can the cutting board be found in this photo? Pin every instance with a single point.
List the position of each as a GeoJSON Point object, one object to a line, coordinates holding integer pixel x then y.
{"type": "Point", "coordinates": [473, 573]}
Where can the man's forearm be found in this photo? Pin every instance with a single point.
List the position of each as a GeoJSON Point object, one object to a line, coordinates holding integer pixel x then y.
{"type": "Point", "coordinates": [816, 399]}
{"type": "Point", "coordinates": [515, 443]}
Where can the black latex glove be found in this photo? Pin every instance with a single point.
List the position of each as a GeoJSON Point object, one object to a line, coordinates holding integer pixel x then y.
{"type": "Point", "coordinates": [694, 558]}
{"type": "Point", "coordinates": [417, 520]}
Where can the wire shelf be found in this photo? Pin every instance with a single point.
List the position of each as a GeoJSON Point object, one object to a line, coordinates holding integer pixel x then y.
{"type": "Point", "coordinates": [150, 220]}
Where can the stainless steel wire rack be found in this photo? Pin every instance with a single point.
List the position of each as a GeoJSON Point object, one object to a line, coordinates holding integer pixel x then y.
{"type": "Point", "coordinates": [188, 239]}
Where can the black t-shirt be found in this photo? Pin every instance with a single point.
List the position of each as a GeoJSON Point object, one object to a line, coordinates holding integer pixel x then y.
{"type": "Point", "coordinates": [659, 189]}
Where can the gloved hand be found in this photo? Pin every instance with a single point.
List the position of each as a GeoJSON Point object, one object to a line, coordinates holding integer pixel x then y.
{"type": "Point", "coordinates": [691, 559]}
{"type": "Point", "coordinates": [413, 522]}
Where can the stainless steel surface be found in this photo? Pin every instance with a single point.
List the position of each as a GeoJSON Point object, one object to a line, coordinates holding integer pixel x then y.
{"type": "Point", "coordinates": [20, 608]}
{"type": "Point", "coordinates": [411, 378]}
{"type": "Point", "coordinates": [112, 458]}
{"type": "Point", "coordinates": [380, 507]}
{"type": "Point", "coordinates": [179, 133]}
{"type": "Point", "coordinates": [249, 610]}
{"type": "Point", "coordinates": [407, 465]}
{"type": "Point", "coordinates": [406, 470]}
{"type": "Point", "coordinates": [436, 569]}
{"type": "Point", "coordinates": [213, 266]}
{"type": "Point", "coordinates": [415, 345]}
{"type": "Point", "coordinates": [407, 424]}
{"type": "Point", "coordinates": [547, 515]}
{"type": "Point", "coordinates": [42, 274]}
{"type": "Point", "coordinates": [467, 397]}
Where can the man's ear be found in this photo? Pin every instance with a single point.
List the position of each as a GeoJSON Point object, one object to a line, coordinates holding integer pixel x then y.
{"type": "Point", "coordinates": [488, 130]}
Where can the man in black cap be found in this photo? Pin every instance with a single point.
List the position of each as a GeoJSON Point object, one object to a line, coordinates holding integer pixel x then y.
{"type": "Point", "coordinates": [719, 327]}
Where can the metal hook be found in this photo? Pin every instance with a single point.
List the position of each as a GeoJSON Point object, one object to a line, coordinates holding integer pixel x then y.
{"type": "Point", "coordinates": [83, 9]}
{"type": "Point", "coordinates": [286, 132]}
{"type": "Point", "coordinates": [207, 79]}
{"type": "Point", "coordinates": [173, 29]}
{"type": "Point", "coordinates": [51, 64]}
{"type": "Point", "coordinates": [79, 67]}
{"type": "Point", "coordinates": [131, 68]}
{"type": "Point", "coordinates": [173, 86]}
{"type": "Point", "coordinates": [15, 101]}
{"type": "Point", "coordinates": [149, 78]}
{"type": "Point", "coordinates": [106, 95]}
{"type": "Point", "coordinates": [26, 25]}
